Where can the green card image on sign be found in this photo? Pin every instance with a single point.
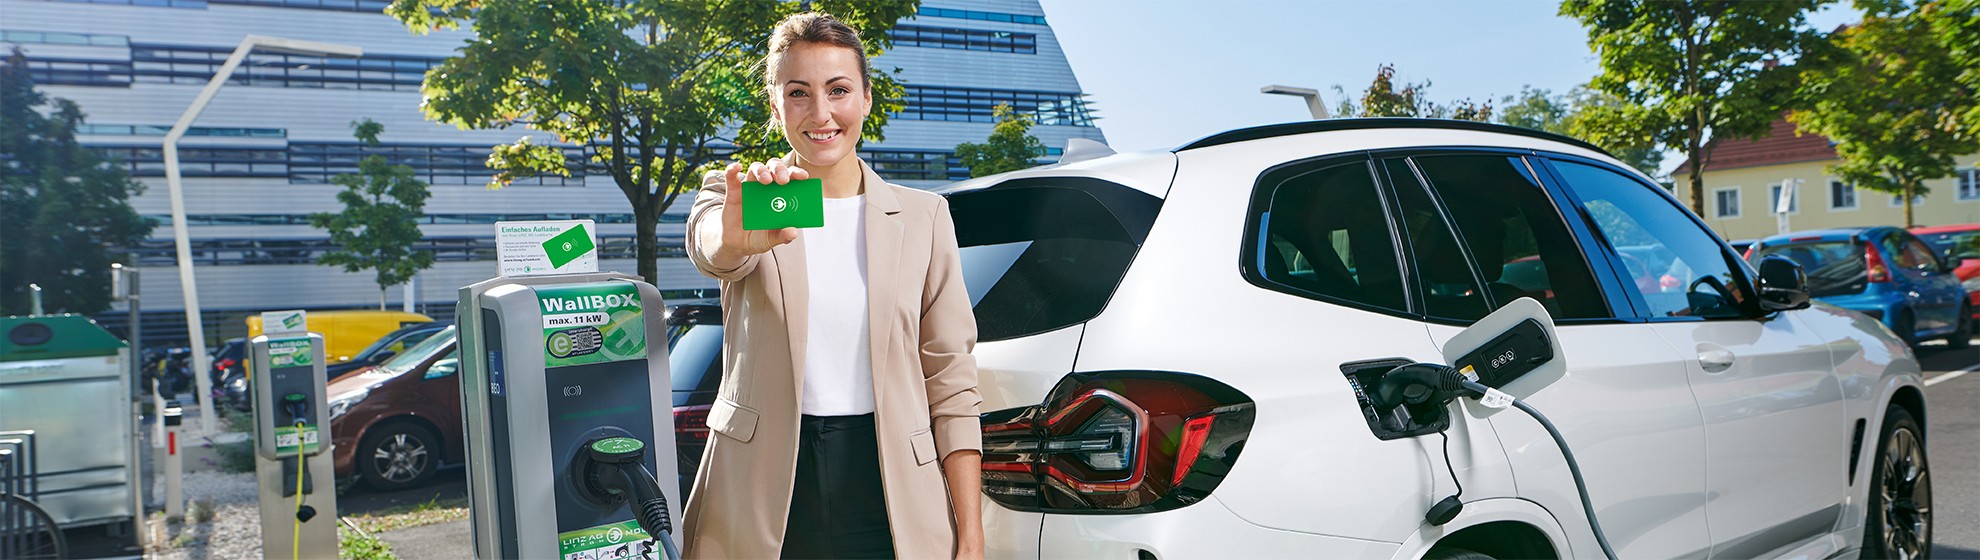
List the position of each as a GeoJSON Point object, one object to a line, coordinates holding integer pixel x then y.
{"type": "Point", "coordinates": [288, 439]}
{"type": "Point", "coordinates": [568, 246]}
{"type": "Point", "coordinates": [290, 352]}
{"type": "Point", "coordinates": [798, 204]}
{"type": "Point", "coordinates": [591, 323]}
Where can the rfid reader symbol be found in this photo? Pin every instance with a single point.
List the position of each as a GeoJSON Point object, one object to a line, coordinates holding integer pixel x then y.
{"type": "Point", "coordinates": [778, 204]}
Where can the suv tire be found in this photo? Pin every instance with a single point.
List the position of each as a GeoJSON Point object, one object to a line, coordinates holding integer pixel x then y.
{"type": "Point", "coordinates": [1962, 336]}
{"type": "Point", "coordinates": [398, 455]}
{"type": "Point", "coordinates": [1899, 521]}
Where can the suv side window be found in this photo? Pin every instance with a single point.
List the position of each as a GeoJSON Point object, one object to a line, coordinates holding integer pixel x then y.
{"type": "Point", "coordinates": [1677, 267]}
{"type": "Point", "coordinates": [1450, 290]}
{"type": "Point", "coordinates": [1512, 234]}
{"type": "Point", "coordinates": [1326, 233]}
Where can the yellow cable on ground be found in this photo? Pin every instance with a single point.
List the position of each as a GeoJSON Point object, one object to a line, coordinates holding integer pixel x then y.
{"type": "Point", "coordinates": [302, 469]}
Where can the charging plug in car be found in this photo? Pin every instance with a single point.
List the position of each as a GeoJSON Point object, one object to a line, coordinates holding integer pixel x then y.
{"type": "Point", "coordinates": [297, 405]}
{"type": "Point", "coordinates": [614, 469]}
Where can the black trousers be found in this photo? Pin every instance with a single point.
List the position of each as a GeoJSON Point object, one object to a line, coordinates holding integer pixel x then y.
{"type": "Point", "coordinates": [838, 503]}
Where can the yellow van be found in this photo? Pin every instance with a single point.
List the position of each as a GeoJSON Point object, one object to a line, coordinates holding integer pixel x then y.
{"type": "Point", "coordinates": [346, 333]}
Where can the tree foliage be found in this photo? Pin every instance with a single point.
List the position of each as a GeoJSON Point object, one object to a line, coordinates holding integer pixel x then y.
{"type": "Point", "coordinates": [1385, 98]}
{"type": "Point", "coordinates": [1890, 97]}
{"type": "Point", "coordinates": [66, 209]}
{"type": "Point", "coordinates": [1684, 71]}
{"type": "Point", "coordinates": [1957, 24]}
{"type": "Point", "coordinates": [379, 225]}
{"type": "Point", "coordinates": [1010, 147]}
{"type": "Point", "coordinates": [651, 85]}
{"type": "Point", "coordinates": [1542, 109]}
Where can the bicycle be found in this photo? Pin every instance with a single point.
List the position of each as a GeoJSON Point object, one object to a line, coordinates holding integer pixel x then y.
{"type": "Point", "coordinates": [27, 532]}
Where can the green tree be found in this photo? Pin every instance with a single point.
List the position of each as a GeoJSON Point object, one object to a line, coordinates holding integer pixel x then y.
{"type": "Point", "coordinates": [1010, 147]}
{"type": "Point", "coordinates": [1957, 23]}
{"type": "Point", "coordinates": [65, 208]}
{"type": "Point", "coordinates": [380, 222]}
{"type": "Point", "coordinates": [1385, 98]}
{"type": "Point", "coordinates": [650, 85]}
{"type": "Point", "coordinates": [1542, 109]}
{"type": "Point", "coordinates": [1889, 96]}
{"type": "Point", "coordinates": [1684, 71]}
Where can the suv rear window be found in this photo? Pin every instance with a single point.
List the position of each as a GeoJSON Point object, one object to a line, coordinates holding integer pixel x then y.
{"type": "Point", "coordinates": [1043, 254]}
{"type": "Point", "coordinates": [1833, 267]}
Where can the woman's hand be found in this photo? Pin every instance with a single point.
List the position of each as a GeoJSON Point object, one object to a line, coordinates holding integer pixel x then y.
{"type": "Point", "coordinates": [738, 243]}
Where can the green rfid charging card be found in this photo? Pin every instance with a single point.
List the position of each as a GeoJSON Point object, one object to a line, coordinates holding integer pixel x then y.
{"type": "Point", "coordinates": [798, 204]}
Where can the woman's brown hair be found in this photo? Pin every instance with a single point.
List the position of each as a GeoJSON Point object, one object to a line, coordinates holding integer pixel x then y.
{"type": "Point", "coordinates": [812, 27]}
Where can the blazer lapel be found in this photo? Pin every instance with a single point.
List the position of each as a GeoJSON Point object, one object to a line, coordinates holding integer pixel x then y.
{"type": "Point", "coordinates": [883, 250]}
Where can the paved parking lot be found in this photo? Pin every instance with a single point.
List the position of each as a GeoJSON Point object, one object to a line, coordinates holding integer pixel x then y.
{"type": "Point", "coordinates": [1952, 434]}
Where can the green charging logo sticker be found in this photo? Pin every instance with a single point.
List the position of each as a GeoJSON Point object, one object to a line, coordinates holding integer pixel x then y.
{"type": "Point", "coordinates": [290, 352]}
{"type": "Point", "coordinates": [289, 438]}
{"type": "Point", "coordinates": [592, 323]}
{"type": "Point", "coordinates": [618, 540]}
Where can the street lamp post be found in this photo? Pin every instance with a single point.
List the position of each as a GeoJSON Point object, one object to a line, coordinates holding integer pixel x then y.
{"type": "Point", "coordinates": [180, 242]}
{"type": "Point", "coordinates": [1312, 96]}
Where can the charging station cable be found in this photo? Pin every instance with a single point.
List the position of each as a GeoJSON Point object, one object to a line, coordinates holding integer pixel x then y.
{"type": "Point", "coordinates": [295, 540]}
{"type": "Point", "coordinates": [1495, 398]}
{"type": "Point", "coordinates": [617, 466]}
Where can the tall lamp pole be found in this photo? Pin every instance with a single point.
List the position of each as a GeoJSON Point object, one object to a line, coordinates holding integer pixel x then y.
{"type": "Point", "coordinates": [180, 242]}
{"type": "Point", "coordinates": [1312, 96]}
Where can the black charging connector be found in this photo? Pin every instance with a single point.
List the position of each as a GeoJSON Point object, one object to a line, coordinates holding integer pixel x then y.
{"type": "Point", "coordinates": [615, 469]}
{"type": "Point", "coordinates": [1430, 385]}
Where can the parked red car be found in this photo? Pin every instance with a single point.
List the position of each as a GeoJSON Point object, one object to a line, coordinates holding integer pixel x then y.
{"type": "Point", "coordinates": [396, 423]}
{"type": "Point", "coordinates": [1958, 244]}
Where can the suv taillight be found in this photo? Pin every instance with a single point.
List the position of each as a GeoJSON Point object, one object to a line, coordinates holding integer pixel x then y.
{"type": "Point", "coordinates": [691, 424]}
{"type": "Point", "coordinates": [1116, 442]}
{"type": "Point", "coordinates": [1873, 263]}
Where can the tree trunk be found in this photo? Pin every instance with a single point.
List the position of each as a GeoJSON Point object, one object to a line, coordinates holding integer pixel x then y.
{"type": "Point", "coordinates": [1697, 176]}
{"type": "Point", "coordinates": [381, 297]}
{"type": "Point", "coordinates": [646, 222]}
{"type": "Point", "coordinates": [1908, 221]}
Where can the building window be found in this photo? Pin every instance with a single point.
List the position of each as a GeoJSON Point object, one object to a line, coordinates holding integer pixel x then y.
{"type": "Point", "coordinates": [1898, 200]}
{"type": "Point", "coordinates": [915, 165]}
{"type": "Point", "coordinates": [194, 4]}
{"type": "Point", "coordinates": [165, 220]}
{"type": "Point", "coordinates": [56, 38]}
{"type": "Point", "coordinates": [1774, 200]}
{"type": "Point", "coordinates": [80, 72]}
{"type": "Point", "coordinates": [925, 11]}
{"type": "Point", "coordinates": [1726, 203]}
{"type": "Point", "coordinates": [149, 161]}
{"type": "Point", "coordinates": [185, 64]}
{"type": "Point", "coordinates": [370, 6]}
{"type": "Point", "coordinates": [322, 162]}
{"type": "Point", "coordinates": [160, 130]}
{"type": "Point", "coordinates": [936, 103]}
{"type": "Point", "coordinates": [964, 39]}
{"type": "Point", "coordinates": [259, 251]}
{"type": "Point", "coordinates": [1969, 184]}
{"type": "Point", "coordinates": [1841, 195]}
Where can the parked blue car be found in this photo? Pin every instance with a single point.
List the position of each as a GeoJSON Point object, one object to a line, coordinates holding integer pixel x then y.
{"type": "Point", "coordinates": [1884, 272]}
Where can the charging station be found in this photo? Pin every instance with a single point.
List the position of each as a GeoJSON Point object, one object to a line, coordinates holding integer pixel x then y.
{"type": "Point", "coordinates": [567, 400]}
{"type": "Point", "coordinates": [295, 472]}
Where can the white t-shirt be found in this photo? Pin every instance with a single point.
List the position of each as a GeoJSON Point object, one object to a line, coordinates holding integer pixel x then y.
{"type": "Point", "coordinates": [838, 358]}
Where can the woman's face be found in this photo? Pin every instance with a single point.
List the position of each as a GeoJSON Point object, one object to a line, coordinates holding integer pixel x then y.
{"type": "Point", "coordinates": [821, 100]}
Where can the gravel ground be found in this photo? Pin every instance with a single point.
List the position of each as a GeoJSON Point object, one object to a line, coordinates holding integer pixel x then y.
{"type": "Point", "coordinates": [235, 531]}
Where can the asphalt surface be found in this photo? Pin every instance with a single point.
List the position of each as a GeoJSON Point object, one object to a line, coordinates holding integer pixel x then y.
{"type": "Point", "coordinates": [1952, 443]}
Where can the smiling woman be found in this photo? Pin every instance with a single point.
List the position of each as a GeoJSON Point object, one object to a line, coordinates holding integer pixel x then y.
{"type": "Point", "coordinates": [884, 437]}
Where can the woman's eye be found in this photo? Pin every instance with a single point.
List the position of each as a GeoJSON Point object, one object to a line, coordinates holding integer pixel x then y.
{"type": "Point", "coordinates": [796, 93]}
{"type": "Point", "coordinates": [840, 91]}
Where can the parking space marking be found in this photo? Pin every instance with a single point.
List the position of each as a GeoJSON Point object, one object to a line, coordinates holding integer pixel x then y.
{"type": "Point", "coordinates": [1950, 375]}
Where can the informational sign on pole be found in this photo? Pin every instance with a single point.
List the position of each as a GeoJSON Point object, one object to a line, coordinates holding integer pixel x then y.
{"type": "Point", "coordinates": [282, 322]}
{"type": "Point", "coordinates": [546, 247]}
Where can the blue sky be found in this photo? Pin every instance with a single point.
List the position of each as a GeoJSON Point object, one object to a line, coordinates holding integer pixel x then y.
{"type": "Point", "coordinates": [1164, 72]}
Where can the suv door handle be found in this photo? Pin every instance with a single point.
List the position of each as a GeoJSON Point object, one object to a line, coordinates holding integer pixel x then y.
{"type": "Point", "coordinates": [1714, 359]}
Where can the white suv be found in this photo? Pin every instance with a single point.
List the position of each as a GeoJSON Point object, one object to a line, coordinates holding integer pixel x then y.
{"type": "Point", "coordinates": [1175, 349]}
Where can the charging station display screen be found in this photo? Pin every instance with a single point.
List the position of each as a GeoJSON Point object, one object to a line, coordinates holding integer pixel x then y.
{"type": "Point", "coordinates": [596, 372]}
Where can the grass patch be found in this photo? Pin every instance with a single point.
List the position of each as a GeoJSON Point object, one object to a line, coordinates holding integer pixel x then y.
{"type": "Point", "coordinates": [429, 512]}
{"type": "Point", "coordinates": [352, 545]}
{"type": "Point", "coordinates": [236, 457]}
{"type": "Point", "coordinates": [235, 421]}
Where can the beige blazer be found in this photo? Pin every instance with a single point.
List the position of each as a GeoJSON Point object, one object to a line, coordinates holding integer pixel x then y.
{"type": "Point", "coordinates": [924, 379]}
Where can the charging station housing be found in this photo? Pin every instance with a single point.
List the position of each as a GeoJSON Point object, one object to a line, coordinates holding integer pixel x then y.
{"type": "Point", "coordinates": [550, 364]}
{"type": "Point", "coordinates": [291, 440]}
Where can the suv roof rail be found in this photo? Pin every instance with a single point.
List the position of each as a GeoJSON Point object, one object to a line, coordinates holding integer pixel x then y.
{"type": "Point", "coordinates": [1329, 125]}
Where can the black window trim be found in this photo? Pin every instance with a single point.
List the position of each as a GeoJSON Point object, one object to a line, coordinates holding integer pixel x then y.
{"type": "Point", "coordinates": [1418, 294]}
{"type": "Point", "coordinates": [1742, 271]}
{"type": "Point", "coordinates": [1251, 254]}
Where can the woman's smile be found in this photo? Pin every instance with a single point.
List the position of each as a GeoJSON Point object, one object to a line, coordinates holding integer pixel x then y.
{"type": "Point", "coordinates": [823, 136]}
